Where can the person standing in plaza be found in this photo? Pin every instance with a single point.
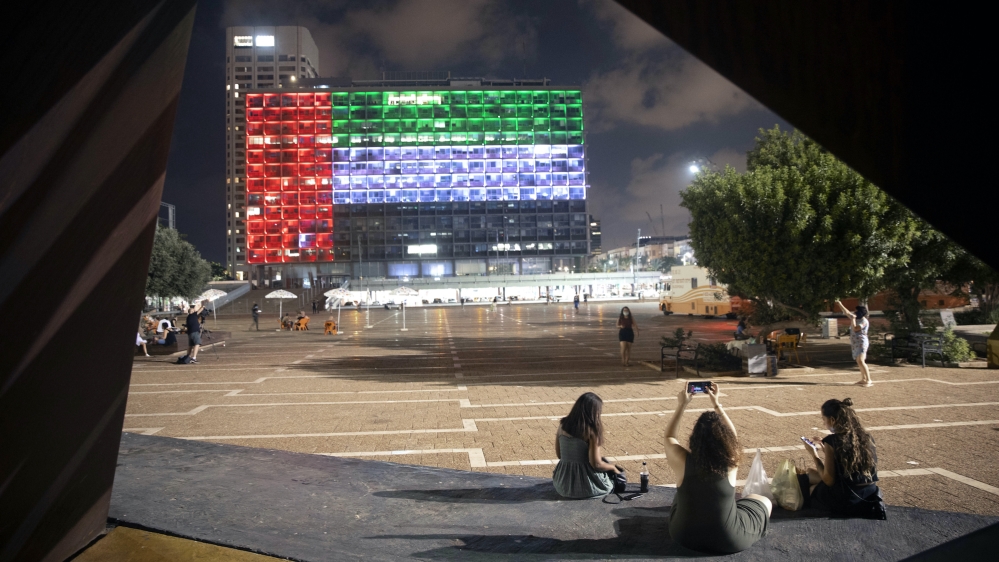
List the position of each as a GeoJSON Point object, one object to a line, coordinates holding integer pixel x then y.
{"type": "Point", "coordinates": [858, 341]}
{"type": "Point", "coordinates": [256, 316]}
{"type": "Point", "coordinates": [194, 331]}
{"type": "Point", "coordinates": [627, 330]}
{"type": "Point", "coordinates": [575, 302]}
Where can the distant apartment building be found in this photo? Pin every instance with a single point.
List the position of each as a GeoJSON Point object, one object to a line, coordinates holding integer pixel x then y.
{"type": "Point", "coordinates": [256, 58]}
{"type": "Point", "coordinates": [655, 247]}
{"type": "Point", "coordinates": [595, 249]}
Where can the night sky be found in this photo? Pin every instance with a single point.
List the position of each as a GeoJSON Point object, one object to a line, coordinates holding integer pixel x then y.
{"type": "Point", "coordinates": [650, 108]}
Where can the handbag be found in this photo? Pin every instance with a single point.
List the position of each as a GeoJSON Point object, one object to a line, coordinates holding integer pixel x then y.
{"type": "Point", "coordinates": [871, 507]}
{"type": "Point", "coordinates": [620, 482]}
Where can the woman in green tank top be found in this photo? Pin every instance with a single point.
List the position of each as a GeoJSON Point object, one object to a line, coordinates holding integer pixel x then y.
{"type": "Point", "coordinates": [581, 471]}
{"type": "Point", "coordinates": [705, 515]}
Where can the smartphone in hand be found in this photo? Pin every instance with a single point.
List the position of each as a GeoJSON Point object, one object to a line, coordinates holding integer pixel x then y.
{"type": "Point", "coordinates": [698, 387]}
{"type": "Point", "coordinates": [810, 443]}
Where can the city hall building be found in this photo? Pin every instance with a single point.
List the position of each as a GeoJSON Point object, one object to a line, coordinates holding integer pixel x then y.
{"type": "Point", "coordinates": [411, 176]}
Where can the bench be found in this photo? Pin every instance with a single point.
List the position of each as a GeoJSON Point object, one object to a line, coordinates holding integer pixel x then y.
{"type": "Point", "coordinates": [907, 347]}
{"type": "Point", "coordinates": [685, 353]}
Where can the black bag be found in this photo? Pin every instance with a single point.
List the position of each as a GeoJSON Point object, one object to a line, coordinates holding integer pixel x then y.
{"type": "Point", "coordinates": [185, 360]}
{"type": "Point", "coordinates": [620, 482]}
{"type": "Point", "coordinates": [871, 507]}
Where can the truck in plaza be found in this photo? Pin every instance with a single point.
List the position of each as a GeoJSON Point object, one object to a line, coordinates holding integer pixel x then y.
{"type": "Point", "coordinates": [691, 290]}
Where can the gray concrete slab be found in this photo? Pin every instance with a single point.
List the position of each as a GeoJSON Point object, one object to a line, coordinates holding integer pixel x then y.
{"type": "Point", "coordinates": [312, 507]}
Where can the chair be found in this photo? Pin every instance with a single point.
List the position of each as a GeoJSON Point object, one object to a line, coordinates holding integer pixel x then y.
{"type": "Point", "coordinates": [789, 343]}
{"type": "Point", "coordinates": [330, 328]}
{"type": "Point", "coordinates": [302, 324]}
{"type": "Point", "coordinates": [933, 345]}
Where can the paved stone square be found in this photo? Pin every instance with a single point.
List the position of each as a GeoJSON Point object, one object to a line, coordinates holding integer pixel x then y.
{"type": "Point", "coordinates": [481, 389]}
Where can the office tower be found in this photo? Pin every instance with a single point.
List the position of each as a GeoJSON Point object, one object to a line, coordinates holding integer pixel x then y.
{"type": "Point", "coordinates": [256, 57]}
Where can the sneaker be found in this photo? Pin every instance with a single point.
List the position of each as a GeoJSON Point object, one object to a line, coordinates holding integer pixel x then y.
{"type": "Point", "coordinates": [147, 355]}
{"type": "Point", "coordinates": [194, 360]}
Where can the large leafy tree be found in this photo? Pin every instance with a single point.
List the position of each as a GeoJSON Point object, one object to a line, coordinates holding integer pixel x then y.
{"type": "Point", "coordinates": [176, 269]}
{"type": "Point", "coordinates": [798, 229]}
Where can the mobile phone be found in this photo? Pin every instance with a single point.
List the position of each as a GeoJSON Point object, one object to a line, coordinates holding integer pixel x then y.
{"type": "Point", "coordinates": [808, 442]}
{"type": "Point", "coordinates": [698, 387]}
{"type": "Point", "coordinates": [634, 496]}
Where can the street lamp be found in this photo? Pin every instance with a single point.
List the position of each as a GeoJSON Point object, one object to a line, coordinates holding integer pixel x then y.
{"type": "Point", "coordinates": [694, 169]}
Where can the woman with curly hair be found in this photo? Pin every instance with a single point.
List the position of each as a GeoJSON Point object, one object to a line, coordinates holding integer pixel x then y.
{"type": "Point", "coordinates": [705, 515]}
{"type": "Point", "coordinates": [581, 471]}
{"type": "Point", "coordinates": [846, 461]}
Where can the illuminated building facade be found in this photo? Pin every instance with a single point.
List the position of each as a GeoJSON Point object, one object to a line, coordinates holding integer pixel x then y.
{"type": "Point", "coordinates": [429, 177]}
{"type": "Point", "coordinates": [256, 57]}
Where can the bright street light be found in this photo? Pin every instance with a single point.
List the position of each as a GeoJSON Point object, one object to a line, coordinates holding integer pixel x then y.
{"type": "Point", "coordinates": [694, 169]}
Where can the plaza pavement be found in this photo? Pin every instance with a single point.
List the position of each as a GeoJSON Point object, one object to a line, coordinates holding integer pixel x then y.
{"type": "Point", "coordinates": [480, 389]}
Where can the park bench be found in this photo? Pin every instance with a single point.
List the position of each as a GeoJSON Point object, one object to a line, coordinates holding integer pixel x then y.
{"type": "Point", "coordinates": [685, 353]}
{"type": "Point", "coordinates": [912, 345]}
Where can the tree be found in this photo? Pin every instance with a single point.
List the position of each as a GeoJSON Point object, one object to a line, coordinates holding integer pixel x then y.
{"type": "Point", "coordinates": [219, 272]}
{"type": "Point", "coordinates": [176, 269]}
{"type": "Point", "coordinates": [932, 258]}
{"type": "Point", "coordinates": [983, 280]}
{"type": "Point", "coordinates": [798, 229]}
{"type": "Point", "coordinates": [665, 264]}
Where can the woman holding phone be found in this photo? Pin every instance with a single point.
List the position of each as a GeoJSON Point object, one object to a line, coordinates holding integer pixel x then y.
{"type": "Point", "coordinates": [581, 471]}
{"type": "Point", "coordinates": [846, 463]}
{"type": "Point", "coordinates": [705, 515]}
{"type": "Point", "coordinates": [858, 341]}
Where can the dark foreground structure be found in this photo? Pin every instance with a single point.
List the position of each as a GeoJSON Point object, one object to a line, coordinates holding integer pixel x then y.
{"type": "Point", "coordinates": [890, 88]}
{"type": "Point", "coordinates": [309, 507]}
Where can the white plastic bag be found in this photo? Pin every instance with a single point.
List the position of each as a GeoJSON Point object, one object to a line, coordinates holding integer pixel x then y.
{"type": "Point", "coordinates": [785, 487]}
{"type": "Point", "coordinates": [757, 482]}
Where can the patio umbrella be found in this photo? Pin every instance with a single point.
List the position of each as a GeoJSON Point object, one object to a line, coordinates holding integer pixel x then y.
{"type": "Point", "coordinates": [404, 292]}
{"type": "Point", "coordinates": [212, 295]}
{"type": "Point", "coordinates": [280, 294]}
{"type": "Point", "coordinates": [339, 295]}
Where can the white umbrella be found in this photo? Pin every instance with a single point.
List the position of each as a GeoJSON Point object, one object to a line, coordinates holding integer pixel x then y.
{"type": "Point", "coordinates": [404, 292]}
{"type": "Point", "coordinates": [280, 294]}
{"type": "Point", "coordinates": [212, 295]}
{"type": "Point", "coordinates": [338, 294]}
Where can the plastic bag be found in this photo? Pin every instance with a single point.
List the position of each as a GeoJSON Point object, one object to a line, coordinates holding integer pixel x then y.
{"type": "Point", "coordinates": [785, 487]}
{"type": "Point", "coordinates": [757, 482]}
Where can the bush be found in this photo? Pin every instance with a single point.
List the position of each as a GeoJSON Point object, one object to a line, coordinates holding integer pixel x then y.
{"type": "Point", "coordinates": [717, 357]}
{"type": "Point", "coordinates": [956, 348]}
{"type": "Point", "coordinates": [679, 336]}
{"type": "Point", "coordinates": [878, 352]}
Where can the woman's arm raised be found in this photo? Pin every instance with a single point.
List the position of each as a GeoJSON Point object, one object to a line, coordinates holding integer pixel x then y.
{"type": "Point", "coordinates": [676, 454]}
{"type": "Point", "coordinates": [713, 393]}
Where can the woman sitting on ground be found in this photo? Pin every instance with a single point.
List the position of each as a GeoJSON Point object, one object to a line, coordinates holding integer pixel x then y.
{"type": "Point", "coordinates": [705, 515]}
{"type": "Point", "coordinates": [581, 471]}
{"type": "Point", "coordinates": [844, 480]}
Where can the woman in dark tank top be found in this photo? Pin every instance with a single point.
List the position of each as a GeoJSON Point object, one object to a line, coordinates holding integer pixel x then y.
{"type": "Point", "coordinates": [627, 329]}
{"type": "Point", "coordinates": [705, 515]}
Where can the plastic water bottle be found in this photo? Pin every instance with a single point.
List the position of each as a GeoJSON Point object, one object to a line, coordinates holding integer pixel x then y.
{"type": "Point", "coordinates": [644, 475]}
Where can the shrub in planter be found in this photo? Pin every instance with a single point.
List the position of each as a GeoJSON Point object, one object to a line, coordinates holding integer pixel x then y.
{"type": "Point", "coordinates": [956, 348]}
{"type": "Point", "coordinates": [716, 357]}
{"type": "Point", "coordinates": [679, 336]}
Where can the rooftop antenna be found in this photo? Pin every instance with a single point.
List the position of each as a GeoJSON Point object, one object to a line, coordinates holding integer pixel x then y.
{"type": "Point", "coordinates": [662, 217]}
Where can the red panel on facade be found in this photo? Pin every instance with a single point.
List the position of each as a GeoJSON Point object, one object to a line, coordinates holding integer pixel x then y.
{"type": "Point", "coordinates": [289, 165]}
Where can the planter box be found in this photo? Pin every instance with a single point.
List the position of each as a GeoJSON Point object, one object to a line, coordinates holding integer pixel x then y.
{"type": "Point", "coordinates": [705, 373]}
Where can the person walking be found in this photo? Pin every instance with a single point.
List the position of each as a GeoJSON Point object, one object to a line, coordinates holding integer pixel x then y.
{"type": "Point", "coordinates": [141, 341]}
{"type": "Point", "coordinates": [627, 330]}
{"type": "Point", "coordinates": [858, 341]}
{"type": "Point", "coordinates": [194, 331]}
{"type": "Point", "coordinates": [256, 316]}
{"type": "Point", "coordinates": [314, 307]}
{"type": "Point", "coordinates": [575, 302]}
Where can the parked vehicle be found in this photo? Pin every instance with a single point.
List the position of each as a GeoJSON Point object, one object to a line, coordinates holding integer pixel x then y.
{"type": "Point", "coordinates": [693, 292]}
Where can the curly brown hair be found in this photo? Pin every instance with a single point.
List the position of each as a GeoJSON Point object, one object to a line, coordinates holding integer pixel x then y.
{"type": "Point", "coordinates": [713, 446]}
{"type": "Point", "coordinates": [855, 447]}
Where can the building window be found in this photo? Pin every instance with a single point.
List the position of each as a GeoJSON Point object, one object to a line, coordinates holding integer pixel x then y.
{"type": "Point", "coordinates": [265, 58]}
{"type": "Point", "coordinates": [286, 68]}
